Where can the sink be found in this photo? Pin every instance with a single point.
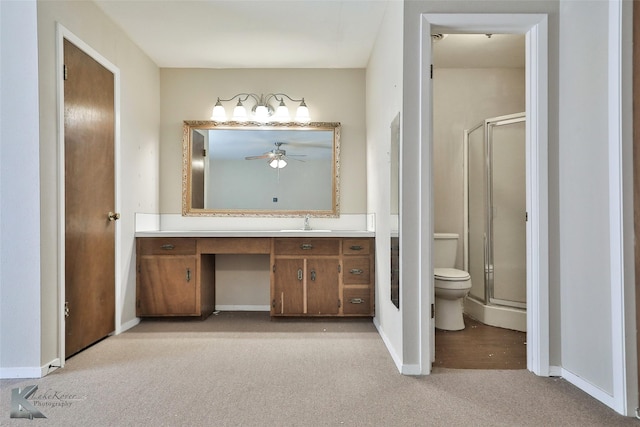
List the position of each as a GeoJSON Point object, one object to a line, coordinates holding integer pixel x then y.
{"type": "Point", "coordinates": [300, 230]}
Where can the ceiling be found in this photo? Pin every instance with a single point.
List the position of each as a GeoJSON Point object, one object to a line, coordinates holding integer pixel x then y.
{"type": "Point", "coordinates": [251, 34]}
{"type": "Point", "coordinates": [283, 34]}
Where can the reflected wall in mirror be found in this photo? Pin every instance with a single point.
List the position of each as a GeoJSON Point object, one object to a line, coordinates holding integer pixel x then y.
{"type": "Point", "coordinates": [256, 169]}
{"type": "Point", "coordinates": [394, 155]}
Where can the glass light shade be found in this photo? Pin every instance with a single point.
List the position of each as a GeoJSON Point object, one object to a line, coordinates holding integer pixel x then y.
{"type": "Point", "coordinates": [277, 163]}
{"type": "Point", "coordinates": [240, 113]}
{"type": "Point", "coordinates": [262, 113]}
{"type": "Point", "coordinates": [282, 113]}
{"type": "Point", "coordinates": [302, 114]}
{"type": "Point", "coordinates": [219, 115]}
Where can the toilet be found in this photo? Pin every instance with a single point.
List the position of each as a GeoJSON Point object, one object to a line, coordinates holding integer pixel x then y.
{"type": "Point", "coordinates": [450, 284]}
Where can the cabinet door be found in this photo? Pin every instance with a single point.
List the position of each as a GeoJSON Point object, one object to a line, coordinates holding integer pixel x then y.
{"type": "Point", "coordinates": [323, 286]}
{"type": "Point", "coordinates": [167, 286]}
{"type": "Point", "coordinates": [288, 288]}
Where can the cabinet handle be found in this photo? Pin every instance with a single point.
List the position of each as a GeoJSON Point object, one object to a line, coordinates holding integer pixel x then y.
{"type": "Point", "coordinates": [300, 274]}
{"type": "Point", "coordinates": [356, 300]}
{"type": "Point", "coordinates": [188, 274]}
{"type": "Point", "coordinates": [355, 271]}
{"type": "Point", "coordinates": [313, 275]}
{"type": "Point", "coordinates": [167, 247]}
{"type": "Point", "coordinates": [355, 248]}
{"type": "Point", "coordinates": [306, 246]}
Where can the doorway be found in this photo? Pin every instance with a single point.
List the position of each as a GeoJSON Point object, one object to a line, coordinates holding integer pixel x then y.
{"type": "Point", "coordinates": [479, 192]}
{"type": "Point", "coordinates": [89, 199]}
{"type": "Point", "coordinates": [534, 26]}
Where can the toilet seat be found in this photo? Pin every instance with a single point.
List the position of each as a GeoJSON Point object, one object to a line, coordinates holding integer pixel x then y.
{"type": "Point", "coordinates": [450, 274]}
{"type": "Point", "coordinates": [451, 279]}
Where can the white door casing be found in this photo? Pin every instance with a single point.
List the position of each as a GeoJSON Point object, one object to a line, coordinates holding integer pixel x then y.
{"type": "Point", "coordinates": [534, 26]}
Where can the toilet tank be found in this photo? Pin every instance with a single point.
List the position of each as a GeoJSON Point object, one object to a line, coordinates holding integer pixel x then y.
{"type": "Point", "coordinates": [445, 249]}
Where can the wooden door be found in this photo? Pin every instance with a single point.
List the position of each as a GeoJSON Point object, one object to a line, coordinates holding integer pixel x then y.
{"type": "Point", "coordinates": [322, 286]}
{"type": "Point", "coordinates": [89, 131]}
{"type": "Point", "coordinates": [288, 286]}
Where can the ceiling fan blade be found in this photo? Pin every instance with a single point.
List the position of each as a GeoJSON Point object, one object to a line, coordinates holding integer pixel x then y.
{"type": "Point", "coordinates": [291, 158]}
{"type": "Point", "coordinates": [264, 156]}
{"type": "Point", "coordinates": [308, 144]}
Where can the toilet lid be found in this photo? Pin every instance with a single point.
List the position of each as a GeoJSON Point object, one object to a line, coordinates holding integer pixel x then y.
{"type": "Point", "coordinates": [450, 274]}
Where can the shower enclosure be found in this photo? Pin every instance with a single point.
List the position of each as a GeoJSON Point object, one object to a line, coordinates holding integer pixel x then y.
{"type": "Point", "coordinates": [495, 220]}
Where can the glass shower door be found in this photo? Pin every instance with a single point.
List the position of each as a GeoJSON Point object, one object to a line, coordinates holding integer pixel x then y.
{"type": "Point", "coordinates": [477, 210]}
{"type": "Point", "coordinates": [496, 210]}
{"type": "Point", "coordinates": [507, 198]}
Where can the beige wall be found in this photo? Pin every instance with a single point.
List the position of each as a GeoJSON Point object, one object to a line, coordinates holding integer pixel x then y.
{"type": "Point", "coordinates": [332, 95]}
{"type": "Point", "coordinates": [137, 157]}
{"type": "Point", "coordinates": [384, 102]}
{"type": "Point", "coordinates": [463, 98]}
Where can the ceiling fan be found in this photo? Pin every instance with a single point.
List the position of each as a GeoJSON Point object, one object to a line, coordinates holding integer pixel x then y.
{"type": "Point", "coordinates": [277, 158]}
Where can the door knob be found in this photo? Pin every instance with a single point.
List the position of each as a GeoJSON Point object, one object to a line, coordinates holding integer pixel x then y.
{"type": "Point", "coordinates": [113, 216]}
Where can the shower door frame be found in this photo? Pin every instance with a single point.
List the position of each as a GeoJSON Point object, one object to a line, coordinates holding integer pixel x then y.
{"type": "Point", "coordinates": [488, 243]}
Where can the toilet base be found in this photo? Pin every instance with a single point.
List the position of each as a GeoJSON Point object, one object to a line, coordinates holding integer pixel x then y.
{"type": "Point", "coordinates": [449, 314]}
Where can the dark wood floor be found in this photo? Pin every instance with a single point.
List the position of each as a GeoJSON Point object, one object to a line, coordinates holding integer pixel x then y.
{"type": "Point", "coordinates": [480, 346]}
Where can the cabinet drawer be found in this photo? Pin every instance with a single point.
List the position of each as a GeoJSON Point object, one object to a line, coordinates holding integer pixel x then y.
{"type": "Point", "coordinates": [357, 301]}
{"type": "Point", "coordinates": [356, 246]}
{"type": "Point", "coordinates": [301, 246]}
{"type": "Point", "coordinates": [167, 246]}
{"type": "Point", "coordinates": [356, 271]}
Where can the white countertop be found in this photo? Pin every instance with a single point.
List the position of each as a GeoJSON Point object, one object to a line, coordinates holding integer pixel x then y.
{"type": "Point", "coordinates": [257, 233]}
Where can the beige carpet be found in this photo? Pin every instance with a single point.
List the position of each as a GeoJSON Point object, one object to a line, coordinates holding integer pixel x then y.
{"type": "Point", "coordinates": [242, 369]}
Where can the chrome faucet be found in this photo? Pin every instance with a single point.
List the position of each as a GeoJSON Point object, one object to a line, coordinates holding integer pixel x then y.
{"type": "Point", "coordinates": [307, 226]}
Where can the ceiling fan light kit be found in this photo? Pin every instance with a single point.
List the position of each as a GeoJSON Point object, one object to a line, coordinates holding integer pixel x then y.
{"type": "Point", "coordinates": [262, 110]}
{"type": "Point", "coordinates": [276, 158]}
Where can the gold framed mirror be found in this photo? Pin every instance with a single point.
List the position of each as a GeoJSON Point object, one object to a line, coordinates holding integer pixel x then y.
{"type": "Point", "coordinates": [257, 169]}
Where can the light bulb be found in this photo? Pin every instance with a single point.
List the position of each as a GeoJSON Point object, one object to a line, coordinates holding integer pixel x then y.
{"type": "Point", "coordinates": [262, 113]}
{"type": "Point", "coordinates": [277, 163]}
{"type": "Point", "coordinates": [218, 114]}
{"type": "Point", "coordinates": [282, 113]}
{"type": "Point", "coordinates": [302, 114]}
{"type": "Point", "coordinates": [239, 112]}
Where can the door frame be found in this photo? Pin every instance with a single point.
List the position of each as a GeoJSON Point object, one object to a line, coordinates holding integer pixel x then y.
{"type": "Point", "coordinates": [536, 29]}
{"type": "Point", "coordinates": [61, 34]}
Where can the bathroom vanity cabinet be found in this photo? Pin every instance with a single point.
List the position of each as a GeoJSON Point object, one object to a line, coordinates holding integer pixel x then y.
{"type": "Point", "coordinates": [310, 276]}
{"type": "Point", "coordinates": [357, 277]}
{"type": "Point", "coordinates": [169, 282]}
{"type": "Point", "coordinates": [306, 277]}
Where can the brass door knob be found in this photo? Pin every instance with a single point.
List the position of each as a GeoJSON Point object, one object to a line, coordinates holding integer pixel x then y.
{"type": "Point", "coordinates": [113, 216]}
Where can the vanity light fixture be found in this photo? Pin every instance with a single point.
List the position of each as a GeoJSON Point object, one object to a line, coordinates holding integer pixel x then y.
{"type": "Point", "coordinates": [262, 111]}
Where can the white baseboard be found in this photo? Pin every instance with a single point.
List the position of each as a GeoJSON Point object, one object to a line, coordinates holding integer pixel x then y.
{"type": "Point", "coordinates": [595, 391]}
{"type": "Point", "coordinates": [411, 370]}
{"type": "Point", "coordinates": [50, 367]}
{"type": "Point", "coordinates": [555, 371]}
{"type": "Point", "coordinates": [390, 349]}
{"type": "Point", "coordinates": [21, 372]}
{"type": "Point", "coordinates": [243, 308]}
{"type": "Point", "coordinates": [127, 325]}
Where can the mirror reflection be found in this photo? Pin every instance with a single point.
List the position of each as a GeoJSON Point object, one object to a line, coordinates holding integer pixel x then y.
{"type": "Point", "coordinates": [260, 169]}
{"type": "Point", "coordinates": [394, 155]}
